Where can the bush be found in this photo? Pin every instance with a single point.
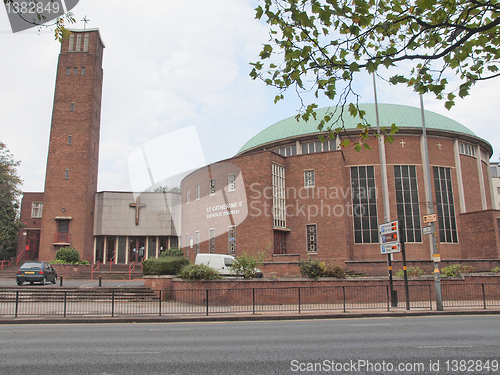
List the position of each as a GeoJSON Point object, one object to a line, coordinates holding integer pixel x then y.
{"type": "Point", "coordinates": [67, 255]}
{"type": "Point", "coordinates": [194, 272]}
{"type": "Point", "coordinates": [245, 264]}
{"type": "Point", "coordinates": [312, 268]}
{"type": "Point", "coordinates": [79, 263]}
{"type": "Point", "coordinates": [454, 270]}
{"type": "Point", "coordinates": [164, 265]}
{"type": "Point", "coordinates": [172, 252]}
{"type": "Point", "coordinates": [334, 271]}
{"type": "Point", "coordinates": [411, 271]}
{"type": "Point", "coordinates": [496, 270]}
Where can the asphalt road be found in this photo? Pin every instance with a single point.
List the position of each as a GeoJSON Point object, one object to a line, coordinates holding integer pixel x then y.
{"type": "Point", "coordinates": [424, 345]}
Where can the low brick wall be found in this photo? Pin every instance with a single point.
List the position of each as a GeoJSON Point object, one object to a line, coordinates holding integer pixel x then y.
{"type": "Point", "coordinates": [71, 271]}
{"type": "Point", "coordinates": [234, 292]}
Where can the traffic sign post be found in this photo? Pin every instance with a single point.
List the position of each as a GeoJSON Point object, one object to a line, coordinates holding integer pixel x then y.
{"type": "Point", "coordinates": [389, 244]}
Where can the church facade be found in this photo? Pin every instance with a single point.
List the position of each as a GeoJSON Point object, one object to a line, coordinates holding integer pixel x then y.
{"type": "Point", "coordinates": [285, 195]}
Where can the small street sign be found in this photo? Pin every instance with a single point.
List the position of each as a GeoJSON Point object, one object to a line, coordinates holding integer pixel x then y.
{"type": "Point", "coordinates": [389, 237]}
{"type": "Point", "coordinates": [430, 218]}
{"type": "Point", "coordinates": [436, 258]}
{"type": "Point", "coordinates": [426, 230]}
{"type": "Point", "coordinates": [390, 248]}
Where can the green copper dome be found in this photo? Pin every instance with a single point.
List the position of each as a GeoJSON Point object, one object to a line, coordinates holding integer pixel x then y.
{"type": "Point", "coordinates": [403, 116]}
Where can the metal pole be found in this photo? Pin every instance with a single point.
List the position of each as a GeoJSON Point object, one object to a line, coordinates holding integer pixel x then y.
{"type": "Point", "coordinates": [403, 253]}
{"type": "Point", "coordinates": [385, 188]}
{"type": "Point", "coordinates": [430, 211]}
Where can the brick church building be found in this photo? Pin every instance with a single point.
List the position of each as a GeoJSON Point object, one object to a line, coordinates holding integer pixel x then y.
{"type": "Point", "coordinates": [285, 193]}
{"type": "Point", "coordinates": [290, 196]}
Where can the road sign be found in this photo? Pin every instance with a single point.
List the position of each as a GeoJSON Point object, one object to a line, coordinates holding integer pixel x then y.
{"type": "Point", "coordinates": [389, 237]}
{"type": "Point", "coordinates": [430, 218]}
{"type": "Point", "coordinates": [426, 230]}
{"type": "Point", "coordinates": [390, 248]}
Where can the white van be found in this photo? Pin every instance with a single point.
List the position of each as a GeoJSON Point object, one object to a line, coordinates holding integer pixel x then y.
{"type": "Point", "coordinates": [221, 263]}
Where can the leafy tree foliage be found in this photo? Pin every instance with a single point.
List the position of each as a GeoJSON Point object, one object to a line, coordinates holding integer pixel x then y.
{"type": "Point", "coordinates": [321, 46]}
{"type": "Point", "coordinates": [9, 206]}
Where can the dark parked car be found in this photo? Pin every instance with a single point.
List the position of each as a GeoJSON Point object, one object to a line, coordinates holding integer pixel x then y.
{"type": "Point", "coordinates": [39, 272]}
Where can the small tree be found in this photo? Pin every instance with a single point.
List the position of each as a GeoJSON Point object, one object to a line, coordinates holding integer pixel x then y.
{"type": "Point", "coordinates": [194, 272]}
{"type": "Point", "coordinates": [67, 255]}
{"type": "Point", "coordinates": [245, 265]}
{"type": "Point", "coordinates": [172, 252]}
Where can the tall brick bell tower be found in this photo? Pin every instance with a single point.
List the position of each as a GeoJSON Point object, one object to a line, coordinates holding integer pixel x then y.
{"type": "Point", "coordinates": [72, 162]}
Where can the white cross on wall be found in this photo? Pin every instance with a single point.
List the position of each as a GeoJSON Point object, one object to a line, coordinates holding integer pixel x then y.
{"type": "Point", "coordinates": [402, 143]}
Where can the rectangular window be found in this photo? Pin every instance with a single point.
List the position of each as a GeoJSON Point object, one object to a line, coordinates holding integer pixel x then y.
{"type": "Point", "coordinates": [309, 178]}
{"type": "Point", "coordinates": [83, 70]}
{"type": "Point", "coordinates": [231, 239]}
{"type": "Point", "coordinates": [467, 149]}
{"type": "Point", "coordinates": [197, 242]}
{"type": "Point", "coordinates": [287, 150]}
{"type": "Point", "coordinates": [279, 201]}
{"type": "Point", "coordinates": [71, 43]}
{"type": "Point", "coordinates": [66, 174]}
{"type": "Point", "coordinates": [78, 42]}
{"type": "Point", "coordinates": [312, 240]}
{"type": "Point", "coordinates": [364, 204]}
{"type": "Point", "coordinates": [36, 209]}
{"type": "Point", "coordinates": [211, 241]}
{"type": "Point", "coordinates": [445, 205]}
{"type": "Point", "coordinates": [407, 202]}
{"type": "Point", "coordinates": [188, 195]}
{"type": "Point", "coordinates": [69, 139]}
{"type": "Point", "coordinates": [198, 191]}
{"type": "Point", "coordinates": [68, 71]}
{"type": "Point", "coordinates": [86, 43]}
{"type": "Point", "coordinates": [212, 187]}
{"type": "Point", "coordinates": [72, 106]}
{"type": "Point", "coordinates": [75, 71]}
{"type": "Point", "coordinates": [63, 226]}
{"type": "Point", "coordinates": [498, 190]}
{"type": "Point", "coordinates": [231, 182]}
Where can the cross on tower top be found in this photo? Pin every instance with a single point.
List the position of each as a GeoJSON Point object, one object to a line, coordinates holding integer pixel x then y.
{"type": "Point", "coordinates": [137, 207]}
{"type": "Point", "coordinates": [85, 21]}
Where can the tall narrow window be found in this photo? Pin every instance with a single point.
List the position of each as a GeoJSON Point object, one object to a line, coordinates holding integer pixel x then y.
{"type": "Point", "coordinates": [231, 182]}
{"type": "Point", "coordinates": [66, 174]}
{"type": "Point", "coordinates": [309, 178]}
{"type": "Point", "coordinates": [405, 178]}
{"type": "Point", "coordinates": [211, 240]}
{"type": "Point", "coordinates": [212, 187]}
{"type": "Point", "coordinates": [69, 139]}
{"type": "Point", "coordinates": [36, 210]}
{"type": "Point", "coordinates": [72, 106]}
{"type": "Point", "coordinates": [279, 201]}
{"type": "Point", "coordinates": [68, 71]}
{"type": "Point", "coordinates": [83, 70]}
{"type": "Point", "coordinates": [78, 42]}
{"type": "Point", "coordinates": [71, 43]}
{"type": "Point", "coordinates": [312, 239]}
{"type": "Point", "coordinates": [188, 195]}
{"type": "Point", "coordinates": [231, 239]}
{"type": "Point", "coordinates": [198, 191]}
{"type": "Point", "coordinates": [75, 71]}
{"type": "Point", "coordinates": [445, 205]}
{"type": "Point", "coordinates": [197, 242]}
{"type": "Point", "coordinates": [86, 43]}
{"type": "Point", "coordinates": [364, 204]}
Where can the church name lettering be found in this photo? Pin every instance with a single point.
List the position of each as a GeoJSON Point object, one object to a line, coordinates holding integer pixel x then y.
{"type": "Point", "coordinates": [224, 210]}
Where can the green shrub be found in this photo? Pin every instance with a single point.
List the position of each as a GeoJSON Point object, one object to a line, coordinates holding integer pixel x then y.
{"type": "Point", "coordinates": [194, 272]}
{"type": "Point", "coordinates": [172, 252]}
{"type": "Point", "coordinates": [411, 271]}
{"type": "Point", "coordinates": [312, 268]}
{"type": "Point", "coordinates": [164, 265]}
{"type": "Point", "coordinates": [496, 270]}
{"type": "Point", "coordinates": [454, 270]}
{"type": "Point", "coordinates": [79, 263]}
{"type": "Point", "coordinates": [67, 255]}
{"type": "Point", "coordinates": [244, 265]}
{"type": "Point", "coordinates": [334, 271]}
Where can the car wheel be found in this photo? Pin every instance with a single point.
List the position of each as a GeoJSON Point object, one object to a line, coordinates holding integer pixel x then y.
{"type": "Point", "coordinates": [55, 280]}
{"type": "Point", "coordinates": [20, 282]}
{"type": "Point", "coordinates": [31, 282]}
{"type": "Point", "coordinates": [44, 281]}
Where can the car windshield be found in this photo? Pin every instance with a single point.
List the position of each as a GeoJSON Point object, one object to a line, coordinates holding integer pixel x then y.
{"type": "Point", "coordinates": [32, 266]}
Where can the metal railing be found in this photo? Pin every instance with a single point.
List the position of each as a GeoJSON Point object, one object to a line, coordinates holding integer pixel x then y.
{"type": "Point", "coordinates": [111, 302]}
{"type": "Point", "coordinates": [4, 263]}
{"type": "Point", "coordinates": [20, 256]}
{"type": "Point", "coordinates": [95, 267]}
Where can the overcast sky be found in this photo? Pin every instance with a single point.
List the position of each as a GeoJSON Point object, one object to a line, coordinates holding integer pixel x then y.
{"type": "Point", "coordinates": [170, 65]}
